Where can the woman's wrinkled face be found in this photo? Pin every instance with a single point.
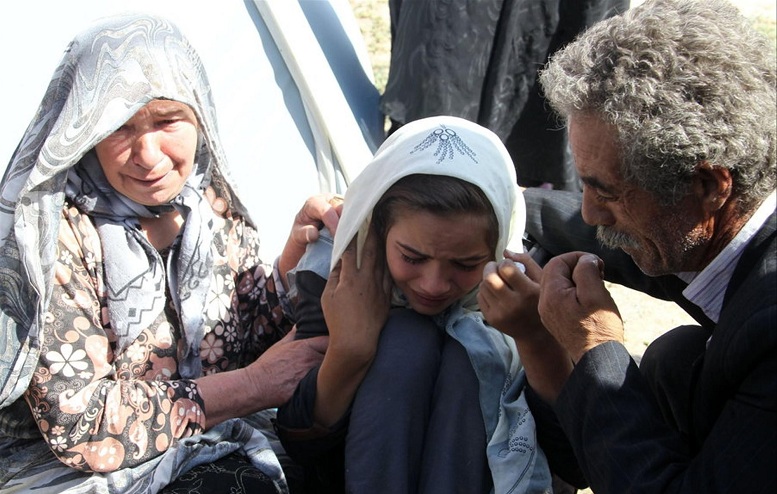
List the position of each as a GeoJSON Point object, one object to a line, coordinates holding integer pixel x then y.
{"type": "Point", "coordinates": [150, 157]}
{"type": "Point", "coordinates": [436, 260]}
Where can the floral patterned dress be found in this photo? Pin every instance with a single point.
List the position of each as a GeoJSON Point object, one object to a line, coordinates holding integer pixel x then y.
{"type": "Point", "coordinates": [99, 410]}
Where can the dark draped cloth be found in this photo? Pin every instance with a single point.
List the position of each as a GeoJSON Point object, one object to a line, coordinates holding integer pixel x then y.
{"type": "Point", "coordinates": [478, 59]}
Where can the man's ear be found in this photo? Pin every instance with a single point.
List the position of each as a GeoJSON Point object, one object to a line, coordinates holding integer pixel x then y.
{"type": "Point", "coordinates": [713, 185]}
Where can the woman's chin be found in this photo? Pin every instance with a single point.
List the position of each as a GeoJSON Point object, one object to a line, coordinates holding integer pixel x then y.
{"type": "Point", "coordinates": [428, 309]}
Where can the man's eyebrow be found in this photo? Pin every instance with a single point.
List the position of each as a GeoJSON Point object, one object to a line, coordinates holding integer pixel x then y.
{"type": "Point", "coordinates": [595, 183]}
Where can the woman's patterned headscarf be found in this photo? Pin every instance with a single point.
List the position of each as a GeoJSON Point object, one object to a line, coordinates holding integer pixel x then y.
{"type": "Point", "coordinates": [107, 74]}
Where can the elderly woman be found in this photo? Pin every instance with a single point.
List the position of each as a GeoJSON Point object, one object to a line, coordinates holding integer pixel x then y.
{"type": "Point", "coordinates": [138, 321]}
{"type": "Point", "coordinates": [418, 390]}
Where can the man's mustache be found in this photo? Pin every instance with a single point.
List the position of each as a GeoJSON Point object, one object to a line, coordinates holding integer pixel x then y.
{"type": "Point", "coordinates": [613, 239]}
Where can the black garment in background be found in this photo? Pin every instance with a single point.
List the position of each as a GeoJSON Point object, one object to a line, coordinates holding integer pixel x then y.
{"type": "Point", "coordinates": [307, 311]}
{"type": "Point", "coordinates": [478, 59]}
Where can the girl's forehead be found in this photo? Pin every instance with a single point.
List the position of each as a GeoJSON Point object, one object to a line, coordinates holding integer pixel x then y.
{"type": "Point", "coordinates": [467, 222]}
{"type": "Point", "coordinates": [442, 231]}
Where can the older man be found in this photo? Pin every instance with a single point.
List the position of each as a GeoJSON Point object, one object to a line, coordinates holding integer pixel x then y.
{"type": "Point", "coordinates": [671, 115]}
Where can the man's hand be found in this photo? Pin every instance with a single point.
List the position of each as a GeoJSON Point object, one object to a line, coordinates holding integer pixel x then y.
{"type": "Point", "coordinates": [508, 298]}
{"type": "Point", "coordinates": [575, 306]}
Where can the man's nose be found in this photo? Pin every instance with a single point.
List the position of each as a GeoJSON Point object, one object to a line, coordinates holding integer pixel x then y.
{"type": "Point", "coordinates": [595, 212]}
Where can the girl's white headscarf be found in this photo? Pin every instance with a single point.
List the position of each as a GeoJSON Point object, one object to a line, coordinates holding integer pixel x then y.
{"type": "Point", "coordinates": [441, 145]}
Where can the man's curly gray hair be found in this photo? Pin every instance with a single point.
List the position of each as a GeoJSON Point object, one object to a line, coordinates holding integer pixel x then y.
{"type": "Point", "coordinates": [683, 82]}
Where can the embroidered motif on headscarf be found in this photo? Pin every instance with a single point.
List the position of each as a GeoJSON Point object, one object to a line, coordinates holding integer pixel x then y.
{"type": "Point", "coordinates": [447, 141]}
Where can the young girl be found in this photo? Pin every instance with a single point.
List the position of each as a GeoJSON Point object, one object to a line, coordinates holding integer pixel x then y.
{"type": "Point", "coordinates": [422, 394]}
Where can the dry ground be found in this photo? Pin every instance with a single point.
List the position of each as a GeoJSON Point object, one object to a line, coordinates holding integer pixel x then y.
{"type": "Point", "coordinates": [644, 317]}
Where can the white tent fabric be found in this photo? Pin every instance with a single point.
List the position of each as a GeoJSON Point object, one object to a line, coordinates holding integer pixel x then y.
{"type": "Point", "coordinates": [320, 90]}
{"type": "Point", "coordinates": [297, 107]}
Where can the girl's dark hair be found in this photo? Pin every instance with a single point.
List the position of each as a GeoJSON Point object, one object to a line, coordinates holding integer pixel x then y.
{"type": "Point", "coordinates": [437, 194]}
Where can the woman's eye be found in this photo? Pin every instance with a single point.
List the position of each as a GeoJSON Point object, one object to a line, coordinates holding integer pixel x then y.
{"type": "Point", "coordinates": [411, 260]}
{"type": "Point", "coordinates": [467, 267]}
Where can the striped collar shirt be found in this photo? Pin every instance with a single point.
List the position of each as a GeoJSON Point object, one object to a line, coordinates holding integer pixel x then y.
{"type": "Point", "coordinates": [708, 287]}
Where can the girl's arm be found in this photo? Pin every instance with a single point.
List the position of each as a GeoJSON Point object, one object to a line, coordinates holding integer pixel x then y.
{"type": "Point", "coordinates": [356, 304]}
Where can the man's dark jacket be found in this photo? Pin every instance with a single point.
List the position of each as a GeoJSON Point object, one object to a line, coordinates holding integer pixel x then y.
{"type": "Point", "coordinates": [608, 410]}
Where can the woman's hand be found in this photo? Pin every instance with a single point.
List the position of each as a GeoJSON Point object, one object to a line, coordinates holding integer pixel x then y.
{"type": "Point", "coordinates": [282, 366]}
{"type": "Point", "coordinates": [356, 303]}
{"type": "Point", "coordinates": [318, 211]}
{"type": "Point", "coordinates": [268, 382]}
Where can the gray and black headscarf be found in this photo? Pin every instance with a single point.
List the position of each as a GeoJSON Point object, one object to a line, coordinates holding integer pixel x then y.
{"type": "Point", "coordinates": [107, 74]}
